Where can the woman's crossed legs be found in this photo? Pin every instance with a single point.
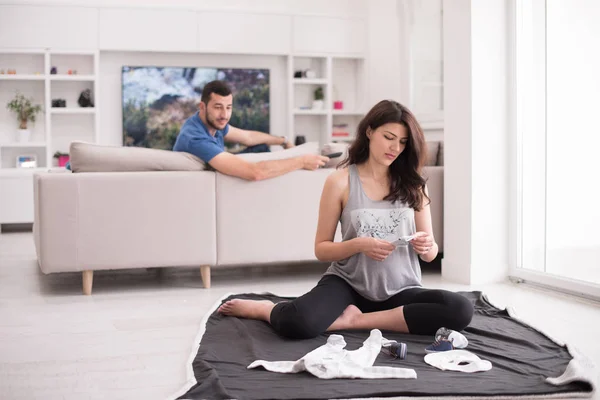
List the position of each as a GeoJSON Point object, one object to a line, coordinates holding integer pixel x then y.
{"type": "Point", "coordinates": [334, 305]}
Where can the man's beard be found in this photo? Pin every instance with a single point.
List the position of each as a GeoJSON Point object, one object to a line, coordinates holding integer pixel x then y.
{"type": "Point", "coordinates": [211, 123]}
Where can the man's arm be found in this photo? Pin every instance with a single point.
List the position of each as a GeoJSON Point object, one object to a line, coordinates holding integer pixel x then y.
{"type": "Point", "coordinates": [252, 138]}
{"type": "Point", "coordinates": [230, 164]}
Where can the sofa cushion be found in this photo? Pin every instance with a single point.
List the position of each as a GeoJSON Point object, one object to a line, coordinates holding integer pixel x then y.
{"type": "Point", "coordinates": [88, 157]}
{"type": "Point", "coordinates": [432, 153]}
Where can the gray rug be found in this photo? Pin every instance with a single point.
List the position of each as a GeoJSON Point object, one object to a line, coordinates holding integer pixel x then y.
{"type": "Point", "coordinates": [526, 363]}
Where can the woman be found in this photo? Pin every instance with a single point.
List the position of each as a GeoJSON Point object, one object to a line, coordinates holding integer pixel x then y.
{"type": "Point", "coordinates": [374, 281]}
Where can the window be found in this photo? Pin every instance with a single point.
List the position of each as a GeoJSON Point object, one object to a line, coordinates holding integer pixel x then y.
{"type": "Point", "coordinates": [557, 86]}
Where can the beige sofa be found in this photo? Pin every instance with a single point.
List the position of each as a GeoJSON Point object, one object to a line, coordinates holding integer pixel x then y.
{"type": "Point", "coordinates": [117, 220]}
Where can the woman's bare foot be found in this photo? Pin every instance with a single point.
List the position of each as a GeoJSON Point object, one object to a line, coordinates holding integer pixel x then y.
{"type": "Point", "coordinates": [252, 309]}
{"type": "Point", "coordinates": [346, 320]}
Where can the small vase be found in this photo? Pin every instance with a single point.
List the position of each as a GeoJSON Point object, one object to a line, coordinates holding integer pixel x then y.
{"type": "Point", "coordinates": [23, 135]}
{"type": "Point", "coordinates": [63, 160]}
{"type": "Point", "coordinates": [317, 104]}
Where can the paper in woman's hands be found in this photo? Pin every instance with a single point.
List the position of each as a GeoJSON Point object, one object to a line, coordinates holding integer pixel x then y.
{"type": "Point", "coordinates": [403, 240]}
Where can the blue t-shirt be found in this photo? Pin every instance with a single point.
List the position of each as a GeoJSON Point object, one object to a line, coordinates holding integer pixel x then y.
{"type": "Point", "coordinates": [195, 139]}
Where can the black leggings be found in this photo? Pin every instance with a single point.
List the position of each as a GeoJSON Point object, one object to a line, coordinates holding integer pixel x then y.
{"type": "Point", "coordinates": [425, 310]}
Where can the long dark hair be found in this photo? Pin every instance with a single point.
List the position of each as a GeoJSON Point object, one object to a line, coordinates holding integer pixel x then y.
{"type": "Point", "coordinates": [406, 182]}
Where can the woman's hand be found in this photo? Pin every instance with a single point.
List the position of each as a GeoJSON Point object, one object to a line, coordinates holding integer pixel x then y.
{"type": "Point", "coordinates": [422, 243]}
{"type": "Point", "coordinates": [376, 249]}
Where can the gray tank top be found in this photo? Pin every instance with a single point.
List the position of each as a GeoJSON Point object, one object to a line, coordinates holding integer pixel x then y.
{"type": "Point", "coordinates": [363, 217]}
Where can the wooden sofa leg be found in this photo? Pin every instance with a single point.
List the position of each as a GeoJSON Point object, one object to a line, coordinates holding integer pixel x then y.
{"type": "Point", "coordinates": [88, 279]}
{"type": "Point", "coordinates": [205, 272]}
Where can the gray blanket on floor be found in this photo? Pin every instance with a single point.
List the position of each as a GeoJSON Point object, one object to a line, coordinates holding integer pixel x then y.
{"type": "Point", "coordinates": [521, 356]}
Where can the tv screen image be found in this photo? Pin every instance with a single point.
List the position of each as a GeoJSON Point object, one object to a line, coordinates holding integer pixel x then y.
{"type": "Point", "coordinates": [157, 100]}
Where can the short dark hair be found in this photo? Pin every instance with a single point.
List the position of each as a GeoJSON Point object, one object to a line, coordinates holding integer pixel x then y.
{"type": "Point", "coordinates": [218, 87]}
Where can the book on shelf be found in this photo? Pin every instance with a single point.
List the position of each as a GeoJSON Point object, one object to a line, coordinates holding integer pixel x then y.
{"type": "Point", "coordinates": [340, 130]}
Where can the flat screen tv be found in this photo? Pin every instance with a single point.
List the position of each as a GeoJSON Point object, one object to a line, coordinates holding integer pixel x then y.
{"type": "Point", "coordinates": [156, 101]}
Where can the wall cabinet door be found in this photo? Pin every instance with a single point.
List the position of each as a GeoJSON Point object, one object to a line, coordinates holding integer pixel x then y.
{"type": "Point", "coordinates": [244, 33]}
{"type": "Point", "coordinates": [147, 29]}
{"type": "Point", "coordinates": [16, 199]}
{"type": "Point", "coordinates": [329, 35]}
{"type": "Point", "coordinates": [51, 26]}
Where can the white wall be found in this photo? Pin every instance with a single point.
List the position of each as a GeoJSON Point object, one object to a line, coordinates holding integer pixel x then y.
{"type": "Point", "coordinates": [476, 211]}
{"type": "Point", "coordinates": [341, 8]}
{"type": "Point", "coordinates": [385, 70]}
{"type": "Point", "coordinates": [490, 138]}
{"type": "Point", "coordinates": [457, 145]}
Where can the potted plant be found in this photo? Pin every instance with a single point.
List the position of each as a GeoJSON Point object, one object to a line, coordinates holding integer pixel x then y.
{"type": "Point", "coordinates": [63, 158]}
{"type": "Point", "coordinates": [26, 112]}
{"type": "Point", "coordinates": [318, 101]}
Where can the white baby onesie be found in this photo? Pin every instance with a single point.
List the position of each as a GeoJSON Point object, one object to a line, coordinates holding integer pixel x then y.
{"type": "Point", "coordinates": [458, 360]}
{"type": "Point", "coordinates": [332, 361]}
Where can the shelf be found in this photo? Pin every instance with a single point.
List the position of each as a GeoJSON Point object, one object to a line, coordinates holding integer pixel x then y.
{"type": "Point", "coordinates": [307, 81]}
{"type": "Point", "coordinates": [342, 138]}
{"type": "Point", "coordinates": [23, 145]}
{"type": "Point", "coordinates": [72, 52]}
{"type": "Point", "coordinates": [13, 171]}
{"type": "Point", "coordinates": [72, 110]}
{"type": "Point", "coordinates": [21, 77]}
{"type": "Point", "coordinates": [348, 112]}
{"type": "Point", "coordinates": [33, 77]}
{"type": "Point", "coordinates": [310, 112]}
{"type": "Point", "coordinates": [37, 52]}
{"type": "Point", "coordinates": [64, 77]}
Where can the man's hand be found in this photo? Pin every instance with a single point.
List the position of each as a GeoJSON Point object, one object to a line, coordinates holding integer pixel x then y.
{"type": "Point", "coordinates": [288, 145]}
{"type": "Point", "coordinates": [313, 161]}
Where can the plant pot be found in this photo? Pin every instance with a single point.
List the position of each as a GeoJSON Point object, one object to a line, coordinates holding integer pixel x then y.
{"type": "Point", "coordinates": [317, 104]}
{"type": "Point", "coordinates": [23, 135]}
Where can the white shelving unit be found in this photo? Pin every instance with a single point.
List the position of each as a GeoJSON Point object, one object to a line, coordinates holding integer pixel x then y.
{"type": "Point", "coordinates": [70, 110]}
{"type": "Point", "coordinates": [342, 79]}
{"type": "Point", "coordinates": [55, 128]}
{"type": "Point", "coordinates": [22, 145]}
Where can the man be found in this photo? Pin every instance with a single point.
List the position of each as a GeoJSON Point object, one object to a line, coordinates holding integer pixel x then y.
{"type": "Point", "coordinates": [204, 133]}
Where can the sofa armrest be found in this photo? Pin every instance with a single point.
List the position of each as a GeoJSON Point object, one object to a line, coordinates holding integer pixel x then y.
{"type": "Point", "coordinates": [114, 220]}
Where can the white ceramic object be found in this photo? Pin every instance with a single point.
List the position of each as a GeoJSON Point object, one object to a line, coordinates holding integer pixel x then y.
{"type": "Point", "coordinates": [23, 135]}
{"type": "Point", "coordinates": [317, 104]}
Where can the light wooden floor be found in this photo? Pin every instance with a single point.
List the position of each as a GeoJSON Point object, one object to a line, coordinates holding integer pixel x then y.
{"type": "Point", "coordinates": [132, 338]}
